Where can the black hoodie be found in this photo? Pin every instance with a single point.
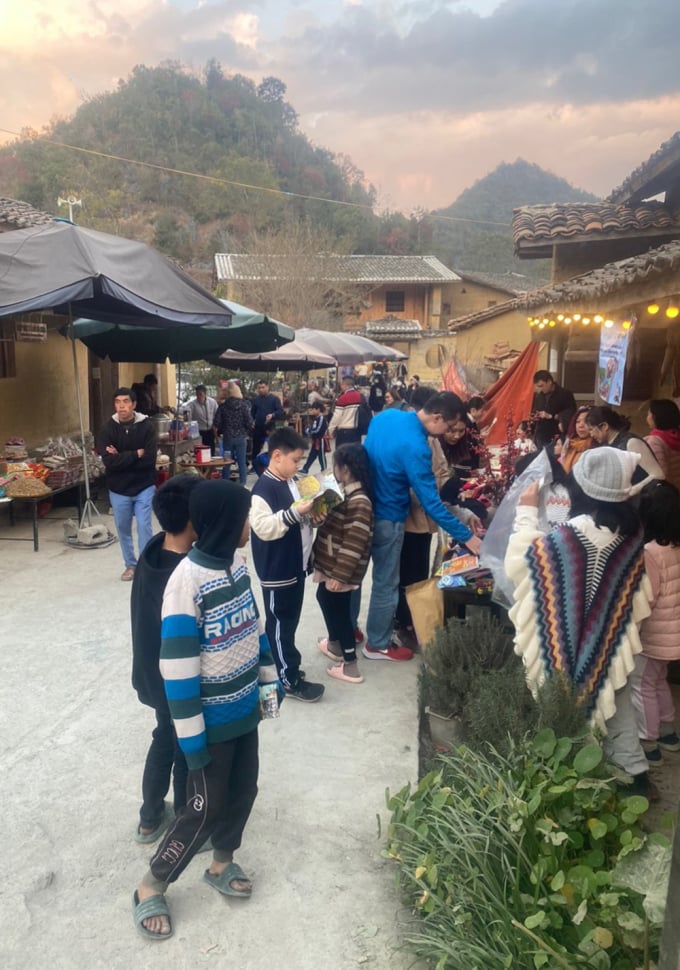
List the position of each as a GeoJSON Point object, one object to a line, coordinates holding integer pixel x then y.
{"type": "Point", "coordinates": [151, 575]}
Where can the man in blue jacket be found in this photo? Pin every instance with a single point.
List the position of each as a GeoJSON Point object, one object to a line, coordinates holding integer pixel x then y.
{"type": "Point", "coordinates": [401, 459]}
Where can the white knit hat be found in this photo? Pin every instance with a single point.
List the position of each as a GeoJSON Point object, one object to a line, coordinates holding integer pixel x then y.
{"type": "Point", "coordinates": [605, 473]}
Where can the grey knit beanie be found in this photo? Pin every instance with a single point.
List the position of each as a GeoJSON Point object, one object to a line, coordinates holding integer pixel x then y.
{"type": "Point", "coordinates": [605, 473]}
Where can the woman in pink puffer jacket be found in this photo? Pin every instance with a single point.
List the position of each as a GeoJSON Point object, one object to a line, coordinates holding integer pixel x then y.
{"type": "Point", "coordinates": [660, 514]}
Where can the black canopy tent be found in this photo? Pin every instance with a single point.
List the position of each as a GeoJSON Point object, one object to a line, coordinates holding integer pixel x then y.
{"type": "Point", "coordinates": [75, 272]}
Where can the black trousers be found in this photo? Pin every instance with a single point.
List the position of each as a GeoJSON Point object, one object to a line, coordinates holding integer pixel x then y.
{"type": "Point", "coordinates": [337, 613]}
{"type": "Point", "coordinates": [282, 607]}
{"type": "Point", "coordinates": [164, 758]}
{"type": "Point", "coordinates": [208, 439]}
{"type": "Point", "coordinates": [414, 565]}
{"type": "Point", "coordinates": [259, 434]}
{"type": "Point", "coordinates": [220, 798]}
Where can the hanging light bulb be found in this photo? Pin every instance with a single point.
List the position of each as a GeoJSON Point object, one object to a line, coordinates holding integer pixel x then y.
{"type": "Point", "coordinates": [609, 324]}
{"type": "Point", "coordinates": [576, 317]}
{"type": "Point", "coordinates": [653, 309]}
{"type": "Point", "coordinates": [541, 326]}
{"type": "Point", "coordinates": [552, 323]}
{"type": "Point", "coordinates": [672, 312]}
{"type": "Point", "coordinates": [585, 321]}
{"type": "Point", "coordinates": [598, 318]}
{"type": "Point", "coordinates": [627, 324]}
{"type": "Point", "coordinates": [560, 317]}
{"type": "Point", "coordinates": [567, 321]}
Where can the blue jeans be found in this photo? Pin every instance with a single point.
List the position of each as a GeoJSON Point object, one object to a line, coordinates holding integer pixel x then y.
{"type": "Point", "coordinates": [125, 508]}
{"type": "Point", "coordinates": [237, 447]}
{"type": "Point", "coordinates": [388, 538]}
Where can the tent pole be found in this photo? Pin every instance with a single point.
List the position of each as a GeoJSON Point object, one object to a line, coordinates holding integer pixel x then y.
{"type": "Point", "coordinates": [89, 505]}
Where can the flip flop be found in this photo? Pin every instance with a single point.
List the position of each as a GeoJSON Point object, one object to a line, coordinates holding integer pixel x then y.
{"type": "Point", "coordinates": [153, 906]}
{"type": "Point", "coordinates": [151, 836]}
{"type": "Point", "coordinates": [338, 672]}
{"type": "Point", "coordinates": [229, 874]}
{"type": "Point", "coordinates": [322, 644]}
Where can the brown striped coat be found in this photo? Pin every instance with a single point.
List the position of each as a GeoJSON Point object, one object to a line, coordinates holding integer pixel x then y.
{"type": "Point", "coordinates": [343, 542]}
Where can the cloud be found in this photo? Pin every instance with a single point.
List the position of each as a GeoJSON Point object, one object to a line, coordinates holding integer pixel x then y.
{"type": "Point", "coordinates": [527, 51]}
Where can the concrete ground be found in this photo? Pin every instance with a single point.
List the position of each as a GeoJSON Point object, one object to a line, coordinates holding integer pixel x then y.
{"type": "Point", "coordinates": [74, 741]}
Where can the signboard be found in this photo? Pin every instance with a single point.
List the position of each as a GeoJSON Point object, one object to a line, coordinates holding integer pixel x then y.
{"type": "Point", "coordinates": [612, 360]}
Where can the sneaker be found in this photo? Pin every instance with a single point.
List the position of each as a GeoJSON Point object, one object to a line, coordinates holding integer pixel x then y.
{"type": "Point", "coordinates": [669, 742]}
{"type": "Point", "coordinates": [653, 755]}
{"type": "Point", "coordinates": [306, 691]}
{"type": "Point", "coordinates": [358, 636]}
{"type": "Point", "coordinates": [391, 652]}
{"type": "Point", "coordinates": [128, 574]}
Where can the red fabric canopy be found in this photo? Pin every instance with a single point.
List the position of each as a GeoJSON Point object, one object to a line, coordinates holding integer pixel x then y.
{"type": "Point", "coordinates": [512, 394]}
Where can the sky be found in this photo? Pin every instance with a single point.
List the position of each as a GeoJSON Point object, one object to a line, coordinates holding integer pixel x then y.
{"type": "Point", "coordinates": [425, 96]}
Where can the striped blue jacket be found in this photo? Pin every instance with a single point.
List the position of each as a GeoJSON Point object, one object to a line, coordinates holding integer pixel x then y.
{"type": "Point", "coordinates": [214, 654]}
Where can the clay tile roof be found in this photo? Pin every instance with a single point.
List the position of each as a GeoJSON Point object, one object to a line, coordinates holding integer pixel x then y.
{"type": "Point", "coordinates": [479, 316]}
{"type": "Point", "coordinates": [15, 214]}
{"type": "Point", "coordinates": [608, 279]}
{"type": "Point", "coordinates": [537, 227]}
{"type": "Point", "coordinates": [653, 176]}
{"type": "Point", "coordinates": [513, 283]}
{"type": "Point", "coordinates": [332, 267]}
{"type": "Point", "coordinates": [394, 327]}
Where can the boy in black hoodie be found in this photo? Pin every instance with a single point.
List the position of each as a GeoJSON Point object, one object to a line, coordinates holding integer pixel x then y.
{"type": "Point", "coordinates": [156, 563]}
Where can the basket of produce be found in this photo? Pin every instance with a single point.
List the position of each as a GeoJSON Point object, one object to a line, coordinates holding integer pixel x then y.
{"type": "Point", "coordinates": [27, 487]}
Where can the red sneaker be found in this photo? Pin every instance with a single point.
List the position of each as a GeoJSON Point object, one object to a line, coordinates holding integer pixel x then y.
{"type": "Point", "coordinates": [358, 636]}
{"type": "Point", "coordinates": [392, 652]}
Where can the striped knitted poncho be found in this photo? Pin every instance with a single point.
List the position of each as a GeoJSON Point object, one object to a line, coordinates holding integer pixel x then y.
{"type": "Point", "coordinates": [214, 654]}
{"type": "Point", "coordinates": [580, 596]}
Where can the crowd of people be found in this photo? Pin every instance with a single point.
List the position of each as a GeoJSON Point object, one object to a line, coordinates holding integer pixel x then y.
{"type": "Point", "coordinates": [593, 556]}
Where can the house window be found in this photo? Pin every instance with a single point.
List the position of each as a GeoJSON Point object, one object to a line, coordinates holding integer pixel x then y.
{"type": "Point", "coordinates": [8, 367]}
{"type": "Point", "coordinates": [394, 301]}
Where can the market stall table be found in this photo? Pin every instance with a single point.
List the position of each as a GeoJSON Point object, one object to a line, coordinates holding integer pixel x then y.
{"type": "Point", "coordinates": [206, 468]}
{"type": "Point", "coordinates": [34, 501]}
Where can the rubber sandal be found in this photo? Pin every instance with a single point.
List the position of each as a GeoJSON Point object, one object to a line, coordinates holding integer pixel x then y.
{"type": "Point", "coordinates": [229, 874]}
{"type": "Point", "coordinates": [153, 906]}
{"type": "Point", "coordinates": [322, 644]}
{"type": "Point", "coordinates": [152, 836]}
{"type": "Point", "coordinates": [338, 672]}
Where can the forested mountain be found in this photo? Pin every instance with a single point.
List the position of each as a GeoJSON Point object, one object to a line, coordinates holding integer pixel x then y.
{"type": "Point", "coordinates": [488, 247]}
{"type": "Point", "coordinates": [236, 135]}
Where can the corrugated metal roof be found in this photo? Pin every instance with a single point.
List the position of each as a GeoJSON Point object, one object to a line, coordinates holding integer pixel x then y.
{"type": "Point", "coordinates": [15, 214]}
{"type": "Point", "coordinates": [335, 268]}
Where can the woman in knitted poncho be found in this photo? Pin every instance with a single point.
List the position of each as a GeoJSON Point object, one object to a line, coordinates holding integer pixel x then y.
{"type": "Point", "coordinates": [580, 595]}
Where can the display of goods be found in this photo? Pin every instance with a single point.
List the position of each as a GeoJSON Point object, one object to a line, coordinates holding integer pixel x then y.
{"type": "Point", "coordinates": [17, 467]}
{"type": "Point", "coordinates": [27, 487]}
{"type": "Point", "coordinates": [39, 471]}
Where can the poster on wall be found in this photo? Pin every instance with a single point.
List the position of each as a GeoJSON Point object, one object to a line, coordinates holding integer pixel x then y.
{"type": "Point", "coordinates": [612, 360]}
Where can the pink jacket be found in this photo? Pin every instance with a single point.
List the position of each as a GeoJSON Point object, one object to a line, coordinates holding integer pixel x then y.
{"type": "Point", "coordinates": [660, 632]}
{"type": "Point", "coordinates": [668, 456]}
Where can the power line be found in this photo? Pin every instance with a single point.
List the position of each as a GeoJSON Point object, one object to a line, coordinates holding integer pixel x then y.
{"type": "Point", "coordinates": [241, 185]}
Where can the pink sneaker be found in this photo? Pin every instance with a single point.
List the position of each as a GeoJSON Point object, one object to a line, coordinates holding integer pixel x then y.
{"type": "Point", "coordinates": [391, 652]}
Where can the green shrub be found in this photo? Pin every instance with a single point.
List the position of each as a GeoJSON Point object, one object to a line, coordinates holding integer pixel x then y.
{"type": "Point", "coordinates": [499, 709]}
{"type": "Point", "coordinates": [514, 862]}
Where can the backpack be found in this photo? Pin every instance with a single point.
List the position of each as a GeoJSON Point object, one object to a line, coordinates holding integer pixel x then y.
{"type": "Point", "coordinates": [364, 416]}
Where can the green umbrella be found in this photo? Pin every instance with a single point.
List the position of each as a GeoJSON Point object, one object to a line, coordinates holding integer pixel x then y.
{"type": "Point", "coordinates": [250, 332]}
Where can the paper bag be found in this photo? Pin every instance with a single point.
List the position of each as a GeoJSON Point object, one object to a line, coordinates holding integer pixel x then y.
{"type": "Point", "coordinates": [426, 604]}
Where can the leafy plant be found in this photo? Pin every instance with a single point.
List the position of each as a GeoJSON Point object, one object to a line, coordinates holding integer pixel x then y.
{"type": "Point", "coordinates": [459, 653]}
{"type": "Point", "coordinates": [510, 860]}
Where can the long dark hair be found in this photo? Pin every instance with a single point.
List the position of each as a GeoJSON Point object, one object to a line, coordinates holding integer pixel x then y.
{"type": "Point", "coordinates": [619, 517]}
{"type": "Point", "coordinates": [660, 513]}
{"type": "Point", "coordinates": [604, 415]}
{"type": "Point", "coordinates": [355, 458]}
{"type": "Point", "coordinates": [665, 413]}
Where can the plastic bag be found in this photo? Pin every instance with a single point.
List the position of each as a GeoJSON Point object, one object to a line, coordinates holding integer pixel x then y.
{"type": "Point", "coordinates": [495, 543]}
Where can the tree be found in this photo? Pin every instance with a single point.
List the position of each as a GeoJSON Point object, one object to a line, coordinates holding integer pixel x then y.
{"type": "Point", "coordinates": [297, 278]}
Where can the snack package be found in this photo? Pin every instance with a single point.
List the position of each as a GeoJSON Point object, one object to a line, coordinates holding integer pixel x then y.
{"type": "Point", "coordinates": [326, 493]}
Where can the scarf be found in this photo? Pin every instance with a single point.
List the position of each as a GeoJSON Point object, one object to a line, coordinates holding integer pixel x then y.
{"type": "Point", "coordinates": [573, 451]}
{"type": "Point", "coordinates": [583, 598]}
{"type": "Point", "coordinates": [670, 437]}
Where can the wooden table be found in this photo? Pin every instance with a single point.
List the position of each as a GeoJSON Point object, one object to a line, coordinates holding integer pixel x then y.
{"type": "Point", "coordinates": [206, 468]}
{"type": "Point", "coordinates": [33, 501]}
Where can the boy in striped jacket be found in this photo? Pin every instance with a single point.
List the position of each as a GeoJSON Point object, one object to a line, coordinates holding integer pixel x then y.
{"type": "Point", "coordinates": [214, 655]}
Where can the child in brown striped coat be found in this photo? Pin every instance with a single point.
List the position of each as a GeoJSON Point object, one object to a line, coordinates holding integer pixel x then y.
{"type": "Point", "coordinates": [341, 552]}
